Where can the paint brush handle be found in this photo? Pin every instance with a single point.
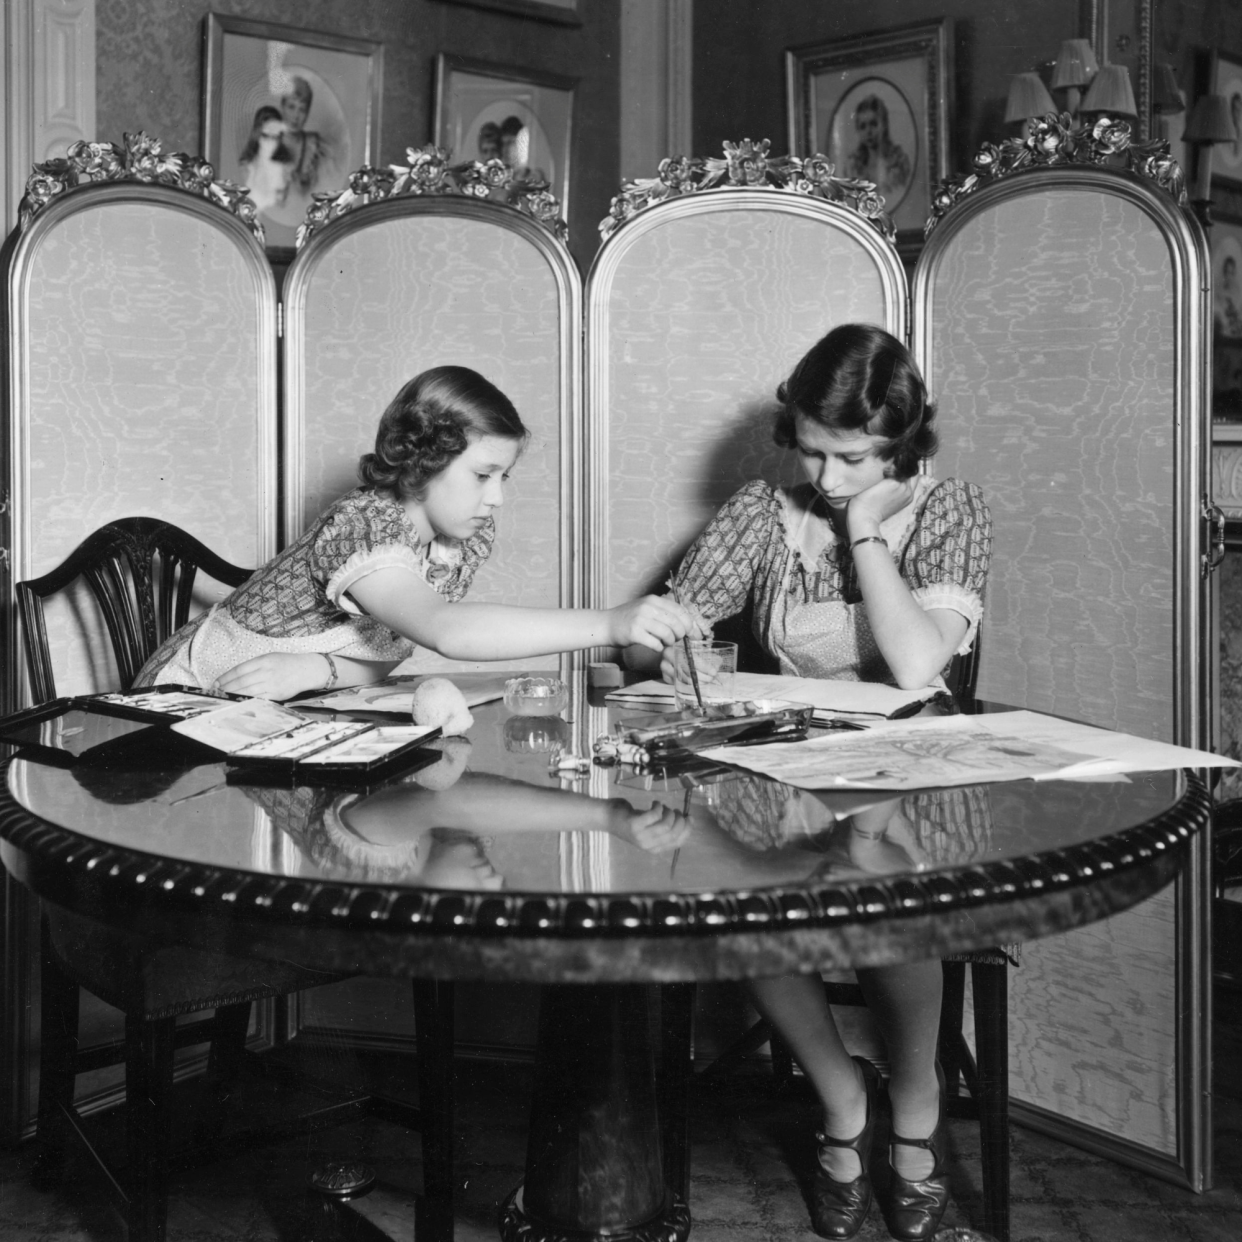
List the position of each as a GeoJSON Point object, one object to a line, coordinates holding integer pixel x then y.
{"type": "Point", "coordinates": [694, 672]}
{"type": "Point", "coordinates": [685, 646]}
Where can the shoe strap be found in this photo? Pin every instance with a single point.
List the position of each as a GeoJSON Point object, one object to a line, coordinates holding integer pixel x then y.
{"type": "Point", "coordinates": [854, 1144]}
{"type": "Point", "coordinates": [927, 1144]}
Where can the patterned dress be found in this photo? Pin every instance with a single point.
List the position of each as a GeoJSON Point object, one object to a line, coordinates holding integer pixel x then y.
{"type": "Point", "coordinates": [299, 600]}
{"type": "Point", "coordinates": [777, 549]}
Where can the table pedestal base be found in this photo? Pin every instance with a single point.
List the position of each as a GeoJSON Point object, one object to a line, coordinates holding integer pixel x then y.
{"type": "Point", "coordinates": [594, 1167]}
{"type": "Point", "coordinates": [672, 1225]}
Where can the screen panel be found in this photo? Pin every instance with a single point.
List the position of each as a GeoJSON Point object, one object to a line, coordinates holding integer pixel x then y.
{"type": "Point", "coordinates": [696, 310]}
{"type": "Point", "coordinates": [1058, 319]}
{"type": "Point", "coordinates": [142, 381]}
{"type": "Point", "coordinates": [414, 284]}
{"type": "Point", "coordinates": [1054, 363]}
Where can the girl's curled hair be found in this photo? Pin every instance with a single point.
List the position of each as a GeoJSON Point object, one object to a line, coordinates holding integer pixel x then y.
{"type": "Point", "coordinates": [429, 422]}
{"type": "Point", "coordinates": [860, 378]}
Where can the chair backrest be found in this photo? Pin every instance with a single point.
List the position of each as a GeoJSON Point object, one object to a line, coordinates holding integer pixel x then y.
{"type": "Point", "coordinates": [141, 573]}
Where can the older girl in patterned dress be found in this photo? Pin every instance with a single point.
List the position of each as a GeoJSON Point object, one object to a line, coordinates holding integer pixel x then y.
{"type": "Point", "coordinates": [387, 566]}
{"type": "Point", "coordinates": [868, 571]}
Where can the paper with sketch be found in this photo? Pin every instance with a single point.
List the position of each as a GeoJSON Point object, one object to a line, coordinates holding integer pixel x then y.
{"type": "Point", "coordinates": [832, 698]}
{"type": "Point", "coordinates": [396, 694]}
{"type": "Point", "coordinates": [962, 750]}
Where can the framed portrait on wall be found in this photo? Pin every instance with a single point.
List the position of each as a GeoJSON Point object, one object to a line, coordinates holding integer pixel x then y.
{"type": "Point", "coordinates": [1226, 79]}
{"type": "Point", "coordinates": [1226, 241]}
{"type": "Point", "coordinates": [486, 111]}
{"type": "Point", "coordinates": [877, 106]}
{"type": "Point", "coordinates": [288, 113]}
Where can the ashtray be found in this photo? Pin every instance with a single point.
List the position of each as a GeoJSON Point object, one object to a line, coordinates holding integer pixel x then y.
{"type": "Point", "coordinates": [536, 696]}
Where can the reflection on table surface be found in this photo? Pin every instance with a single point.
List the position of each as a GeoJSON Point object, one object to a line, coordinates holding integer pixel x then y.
{"type": "Point", "coordinates": [489, 814]}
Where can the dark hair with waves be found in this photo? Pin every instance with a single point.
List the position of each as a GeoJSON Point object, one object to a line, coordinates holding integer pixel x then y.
{"type": "Point", "coordinates": [429, 422]}
{"type": "Point", "coordinates": [860, 378]}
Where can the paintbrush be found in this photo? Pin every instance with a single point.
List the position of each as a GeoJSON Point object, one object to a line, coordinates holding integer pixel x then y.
{"type": "Point", "coordinates": [685, 644]}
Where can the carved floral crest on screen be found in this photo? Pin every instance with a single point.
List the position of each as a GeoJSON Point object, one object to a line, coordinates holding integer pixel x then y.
{"type": "Point", "coordinates": [748, 164]}
{"type": "Point", "coordinates": [428, 171]}
{"type": "Point", "coordinates": [1056, 140]}
{"type": "Point", "coordinates": [140, 159]}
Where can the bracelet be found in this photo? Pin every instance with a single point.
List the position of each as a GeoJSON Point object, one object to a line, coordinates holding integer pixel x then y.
{"type": "Point", "coordinates": [869, 539]}
{"type": "Point", "coordinates": [334, 674]}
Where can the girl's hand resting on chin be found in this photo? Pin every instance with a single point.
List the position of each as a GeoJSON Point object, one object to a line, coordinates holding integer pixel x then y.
{"type": "Point", "coordinates": [875, 504]}
{"type": "Point", "coordinates": [277, 675]}
{"type": "Point", "coordinates": [653, 621]}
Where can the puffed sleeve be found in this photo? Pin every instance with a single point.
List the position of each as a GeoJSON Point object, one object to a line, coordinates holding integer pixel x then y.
{"type": "Point", "coordinates": [718, 571]}
{"type": "Point", "coordinates": [946, 561]}
{"type": "Point", "coordinates": [371, 534]}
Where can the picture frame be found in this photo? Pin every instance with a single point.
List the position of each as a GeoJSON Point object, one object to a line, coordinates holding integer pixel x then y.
{"type": "Point", "coordinates": [486, 111]}
{"type": "Point", "coordinates": [1226, 254]}
{"type": "Point", "coordinates": [878, 106]}
{"type": "Point", "coordinates": [1226, 79]}
{"type": "Point", "coordinates": [563, 12]}
{"type": "Point", "coordinates": [289, 113]}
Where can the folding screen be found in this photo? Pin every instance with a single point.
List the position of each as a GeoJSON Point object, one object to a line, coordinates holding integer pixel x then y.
{"type": "Point", "coordinates": [696, 309]}
{"type": "Point", "coordinates": [1059, 314]}
{"type": "Point", "coordinates": [394, 287]}
{"type": "Point", "coordinates": [141, 324]}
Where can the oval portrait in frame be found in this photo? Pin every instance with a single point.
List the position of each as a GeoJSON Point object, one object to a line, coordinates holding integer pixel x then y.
{"type": "Point", "coordinates": [509, 130]}
{"type": "Point", "coordinates": [872, 135]}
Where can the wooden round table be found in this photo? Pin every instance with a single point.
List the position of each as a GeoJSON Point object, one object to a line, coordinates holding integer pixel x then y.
{"type": "Point", "coordinates": [487, 864]}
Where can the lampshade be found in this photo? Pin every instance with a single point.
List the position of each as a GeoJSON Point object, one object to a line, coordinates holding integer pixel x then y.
{"type": "Point", "coordinates": [1110, 91]}
{"type": "Point", "coordinates": [1028, 97]}
{"type": "Point", "coordinates": [1076, 65]}
{"type": "Point", "coordinates": [1166, 95]}
{"type": "Point", "coordinates": [1210, 121]}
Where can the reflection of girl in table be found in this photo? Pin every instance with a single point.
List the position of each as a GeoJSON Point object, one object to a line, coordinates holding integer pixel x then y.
{"type": "Point", "coordinates": [387, 566]}
{"type": "Point", "coordinates": [433, 828]}
{"type": "Point", "coordinates": [866, 571]}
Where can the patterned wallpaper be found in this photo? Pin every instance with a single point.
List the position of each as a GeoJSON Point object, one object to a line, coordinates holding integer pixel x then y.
{"type": "Point", "coordinates": [150, 73]}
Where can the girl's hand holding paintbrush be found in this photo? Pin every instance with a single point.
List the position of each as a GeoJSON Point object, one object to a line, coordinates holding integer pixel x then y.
{"type": "Point", "coordinates": [696, 630]}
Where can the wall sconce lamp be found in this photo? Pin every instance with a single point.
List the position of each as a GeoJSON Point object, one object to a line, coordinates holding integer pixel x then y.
{"type": "Point", "coordinates": [1208, 124]}
{"type": "Point", "coordinates": [1076, 67]}
{"type": "Point", "coordinates": [1028, 97]}
{"type": "Point", "coordinates": [1110, 93]}
{"type": "Point", "coordinates": [1166, 96]}
{"type": "Point", "coordinates": [1107, 88]}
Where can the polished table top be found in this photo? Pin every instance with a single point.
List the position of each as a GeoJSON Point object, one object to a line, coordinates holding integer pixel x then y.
{"type": "Point", "coordinates": [490, 864]}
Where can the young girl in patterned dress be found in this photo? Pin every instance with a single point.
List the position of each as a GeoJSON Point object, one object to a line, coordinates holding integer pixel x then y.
{"type": "Point", "coordinates": [386, 567]}
{"type": "Point", "coordinates": [869, 571]}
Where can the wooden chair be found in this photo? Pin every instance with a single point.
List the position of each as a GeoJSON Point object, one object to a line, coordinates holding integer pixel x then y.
{"type": "Point", "coordinates": [141, 573]}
